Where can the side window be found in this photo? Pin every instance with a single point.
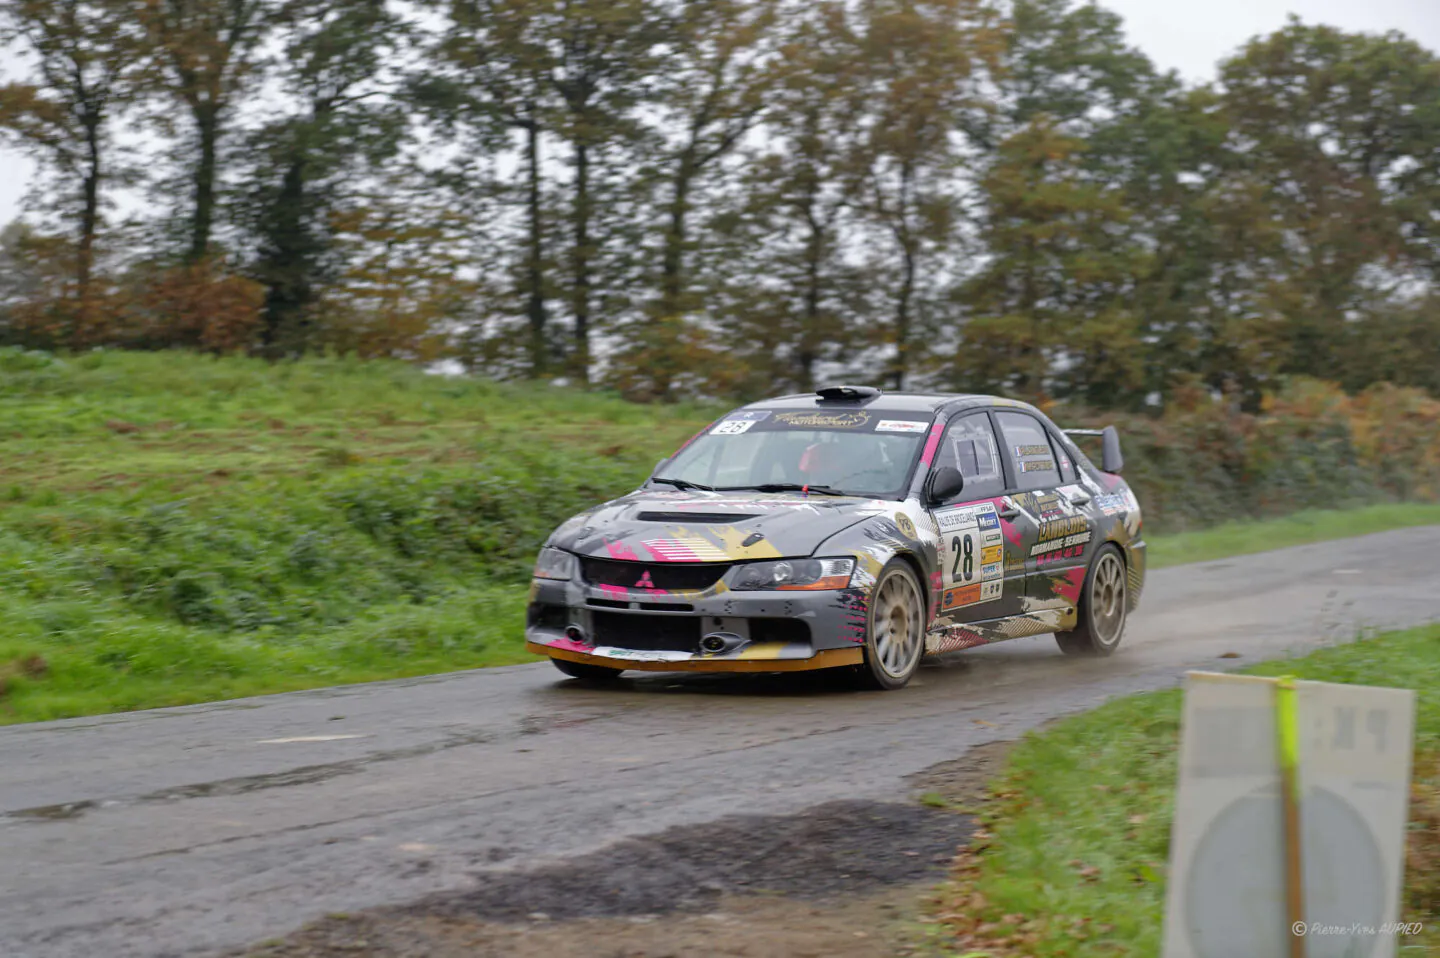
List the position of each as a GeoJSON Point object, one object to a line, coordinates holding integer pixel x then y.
{"type": "Point", "coordinates": [1029, 449]}
{"type": "Point", "coordinates": [1067, 468]}
{"type": "Point", "coordinates": [969, 445]}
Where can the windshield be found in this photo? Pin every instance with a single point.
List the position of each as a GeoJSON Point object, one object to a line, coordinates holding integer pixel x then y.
{"type": "Point", "coordinates": [858, 453]}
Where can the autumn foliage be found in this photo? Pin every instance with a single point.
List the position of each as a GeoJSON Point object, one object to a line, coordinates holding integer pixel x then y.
{"type": "Point", "coordinates": [1206, 461]}
{"type": "Point", "coordinates": [729, 198]}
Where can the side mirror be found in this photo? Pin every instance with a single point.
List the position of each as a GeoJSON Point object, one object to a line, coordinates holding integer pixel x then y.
{"type": "Point", "coordinates": [944, 483]}
{"type": "Point", "coordinates": [1110, 458]}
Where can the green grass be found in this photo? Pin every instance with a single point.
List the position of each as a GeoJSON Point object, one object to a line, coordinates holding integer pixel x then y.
{"type": "Point", "coordinates": [1312, 525]}
{"type": "Point", "coordinates": [178, 528]}
{"type": "Point", "coordinates": [1079, 822]}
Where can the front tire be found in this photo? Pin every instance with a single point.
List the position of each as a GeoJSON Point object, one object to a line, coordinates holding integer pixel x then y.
{"type": "Point", "coordinates": [1103, 608]}
{"type": "Point", "coordinates": [591, 673]}
{"type": "Point", "coordinates": [895, 632]}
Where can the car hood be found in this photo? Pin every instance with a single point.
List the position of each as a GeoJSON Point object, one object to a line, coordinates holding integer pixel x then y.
{"type": "Point", "coordinates": [665, 526]}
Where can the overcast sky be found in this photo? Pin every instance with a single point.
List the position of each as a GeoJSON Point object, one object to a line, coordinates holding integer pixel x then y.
{"type": "Point", "coordinates": [1186, 36]}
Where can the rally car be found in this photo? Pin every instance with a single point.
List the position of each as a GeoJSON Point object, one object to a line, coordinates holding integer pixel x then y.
{"type": "Point", "coordinates": [849, 528]}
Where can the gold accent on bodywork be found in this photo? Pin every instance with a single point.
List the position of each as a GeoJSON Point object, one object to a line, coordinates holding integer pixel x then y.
{"type": "Point", "coordinates": [825, 659]}
{"type": "Point", "coordinates": [731, 539]}
{"type": "Point", "coordinates": [764, 651]}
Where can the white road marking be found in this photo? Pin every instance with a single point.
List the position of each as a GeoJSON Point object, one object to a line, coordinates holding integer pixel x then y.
{"type": "Point", "coordinates": [305, 738]}
{"type": "Point", "coordinates": [1349, 571]}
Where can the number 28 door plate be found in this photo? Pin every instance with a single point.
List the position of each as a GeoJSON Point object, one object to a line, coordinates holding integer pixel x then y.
{"type": "Point", "coordinates": [972, 550]}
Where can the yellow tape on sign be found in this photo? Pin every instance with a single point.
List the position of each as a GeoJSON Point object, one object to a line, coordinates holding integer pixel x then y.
{"type": "Point", "coordinates": [1287, 729]}
{"type": "Point", "coordinates": [1287, 721]}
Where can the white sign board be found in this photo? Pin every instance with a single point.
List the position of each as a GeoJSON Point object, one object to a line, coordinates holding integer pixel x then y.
{"type": "Point", "coordinates": [1226, 895]}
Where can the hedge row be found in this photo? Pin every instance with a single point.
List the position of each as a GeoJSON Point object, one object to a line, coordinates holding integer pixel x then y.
{"type": "Point", "coordinates": [1312, 446]}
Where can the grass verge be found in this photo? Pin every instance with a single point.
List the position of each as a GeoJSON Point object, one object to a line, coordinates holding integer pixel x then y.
{"type": "Point", "coordinates": [1072, 856]}
{"type": "Point", "coordinates": [1300, 528]}
{"type": "Point", "coordinates": [179, 528]}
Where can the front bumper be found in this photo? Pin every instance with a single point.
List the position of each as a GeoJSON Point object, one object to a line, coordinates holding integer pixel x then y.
{"type": "Point", "coordinates": [647, 630]}
{"type": "Point", "coordinates": [824, 659]}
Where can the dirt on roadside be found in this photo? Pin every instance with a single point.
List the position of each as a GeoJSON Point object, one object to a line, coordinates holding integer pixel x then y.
{"type": "Point", "coordinates": [875, 926]}
{"type": "Point", "coordinates": [840, 880]}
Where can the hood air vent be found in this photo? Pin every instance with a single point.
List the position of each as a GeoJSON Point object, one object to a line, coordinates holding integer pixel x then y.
{"type": "Point", "coordinates": [695, 516]}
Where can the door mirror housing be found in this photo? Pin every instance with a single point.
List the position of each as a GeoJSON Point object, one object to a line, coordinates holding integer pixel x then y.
{"type": "Point", "coordinates": [1110, 458]}
{"type": "Point", "coordinates": [944, 483]}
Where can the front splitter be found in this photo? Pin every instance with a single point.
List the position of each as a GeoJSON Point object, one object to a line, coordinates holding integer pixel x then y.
{"type": "Point", "coordinates": [824, 659]}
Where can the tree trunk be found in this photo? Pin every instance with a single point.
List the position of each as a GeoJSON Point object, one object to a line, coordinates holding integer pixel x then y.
{"type": "Point", "coordinates": [902, 316]}
{"type": "Point", "coordinates": [207, 123]}
{"type": "Point", "coordinates": [672, 278]}
{"type": "Point", "coordinates": [808, 353]}
{"type": "Point", "coordinates": [89, 210]}
{"type": "Point", "coordinates": [673, 263]}
{"type": "Point", "coordinates": [289, 259]}
{"type": "Point", "coordinates": [907, 279]}
{"type": "Point", "coordinates": [580, 363]}
{"type": "Point", "coordinates": [534, 263]}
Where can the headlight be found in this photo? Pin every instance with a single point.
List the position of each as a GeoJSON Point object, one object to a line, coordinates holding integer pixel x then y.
{"type": "Point", "coordinates": [554, 564]}
{"type": "Point", "coordinates": [813, 574]}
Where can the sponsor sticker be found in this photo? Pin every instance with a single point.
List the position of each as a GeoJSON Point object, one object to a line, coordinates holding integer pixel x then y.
{"type": "Point", "coordinates": [732, 427]}
{"type": "Point", "coordinates": [901, 425]}
{"type": "Point", "coordinates": [641, 655]}
{"type": "Point", "coordinates": [749, 415]}
{"type": "Point", "coordinates": [1038, 465]}
{"type": "Point", "coordinates": [824, 420]}
{"type": "Point", "coordinates": [1023, 452]}
{"type": "Point", "coordinates": [973, 594]}
{"type": "Point", "coordinates": [1063, 526]}
{"type": "Point", "coordinates": [964, 595]}
{"type": "Point", "coordinates": [1112, 504]}
{"type": "Point", "coordinates": [906, 527]}
{"type": "Point", "coordinates": [1068, 542]}
{"type": "Point", "coordinates": [982, 515]}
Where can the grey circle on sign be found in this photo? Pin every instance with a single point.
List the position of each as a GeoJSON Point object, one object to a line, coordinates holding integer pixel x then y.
{"type": "Point", "coordinates": [1235, 890]}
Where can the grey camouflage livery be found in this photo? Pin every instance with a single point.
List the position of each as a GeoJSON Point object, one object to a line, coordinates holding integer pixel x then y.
{"type": "Point", "coordinates": [653, 580]}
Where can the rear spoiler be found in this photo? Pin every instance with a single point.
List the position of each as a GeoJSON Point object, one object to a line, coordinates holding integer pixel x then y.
{"type": "Point", "coordinates": [1111, 459]}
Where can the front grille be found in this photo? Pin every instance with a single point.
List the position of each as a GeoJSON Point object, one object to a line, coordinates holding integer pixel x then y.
{"type": "Point", "coordinates": [670, 576]}
{"type": "Point", "coordinates": [779, 630]}
{"type": "Point", "coordinates": [695, 516]}
{"type": "Point", "coordinates": [652, 633]}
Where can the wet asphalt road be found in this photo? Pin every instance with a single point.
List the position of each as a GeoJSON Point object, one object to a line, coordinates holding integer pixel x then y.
{"type": "Point", "coordinates": [180, 830]}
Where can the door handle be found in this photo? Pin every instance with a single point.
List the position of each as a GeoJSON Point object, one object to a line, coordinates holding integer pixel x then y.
{"type": "Point", "coordinates": [1009, 512]}
{"type": "Point", "coordinates": [1079, 499]}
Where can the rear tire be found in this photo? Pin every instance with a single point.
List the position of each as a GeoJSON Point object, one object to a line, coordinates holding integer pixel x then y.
{"type": "Point", "coordinates": [592, 673]}
{"type": "Point", "coordinates": [1103, 608]}
{"type": "Point", "coordinates": [895, 630]}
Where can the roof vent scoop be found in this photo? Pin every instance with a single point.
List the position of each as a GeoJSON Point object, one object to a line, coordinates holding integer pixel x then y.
{"type": "Point", "coordinates": [847, 393]}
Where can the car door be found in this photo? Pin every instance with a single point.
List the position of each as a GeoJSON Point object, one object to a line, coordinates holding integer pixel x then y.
{"type": "Point", "coordinates": [1057, 533]}
{"type": "Point", "coordinates": [982, 574]}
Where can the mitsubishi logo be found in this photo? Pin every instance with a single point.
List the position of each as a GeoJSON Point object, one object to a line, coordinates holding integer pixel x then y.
{"type": "Point", "coordinates": [645, 582]}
